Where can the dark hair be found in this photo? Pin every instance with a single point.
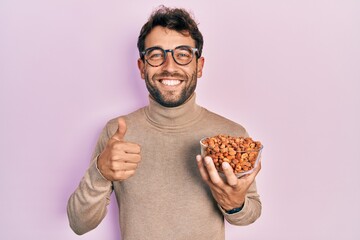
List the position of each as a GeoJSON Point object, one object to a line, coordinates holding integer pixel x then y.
{"type": "Point", "coordinates": [177, 19]}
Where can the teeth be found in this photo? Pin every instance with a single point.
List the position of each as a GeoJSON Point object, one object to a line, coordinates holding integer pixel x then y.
{"type": "Point", "coordinates": [170, 82]}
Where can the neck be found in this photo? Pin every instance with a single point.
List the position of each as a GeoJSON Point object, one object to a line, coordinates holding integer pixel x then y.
{"type": "Point", "coordinates": [173, 117]}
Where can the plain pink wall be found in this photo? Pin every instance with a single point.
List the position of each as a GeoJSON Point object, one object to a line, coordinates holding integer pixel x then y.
{"type": "Point", "coordinates": [289, 71]}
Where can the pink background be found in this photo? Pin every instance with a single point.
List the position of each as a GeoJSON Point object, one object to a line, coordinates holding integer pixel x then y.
{"type": "Point", "coordinates": [289, 71]}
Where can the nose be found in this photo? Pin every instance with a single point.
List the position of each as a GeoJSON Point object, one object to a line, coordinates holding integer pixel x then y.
{"type": "Point", "coordinates": [169, 63]}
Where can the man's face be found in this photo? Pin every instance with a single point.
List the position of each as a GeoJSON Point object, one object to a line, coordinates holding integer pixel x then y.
{"type": "Point", "coordinates": [170, 84]}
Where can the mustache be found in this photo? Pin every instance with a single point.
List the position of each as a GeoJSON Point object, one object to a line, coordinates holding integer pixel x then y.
{"type": "Point", "coordinates": [165, 74]}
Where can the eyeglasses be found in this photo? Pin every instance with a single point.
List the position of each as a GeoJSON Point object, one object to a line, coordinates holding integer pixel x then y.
{"type": "Point", "coordinates": [182, 55]}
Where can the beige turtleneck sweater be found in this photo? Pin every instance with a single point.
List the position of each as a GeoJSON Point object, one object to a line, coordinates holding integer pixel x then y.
{"type": "Point", "coordinates": [166, 198]}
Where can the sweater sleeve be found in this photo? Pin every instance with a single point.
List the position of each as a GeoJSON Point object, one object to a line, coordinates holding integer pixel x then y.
{"type": "Point", "coordinates": [87, 206]}
{"type": "Point", "coordinates": [250, 211]}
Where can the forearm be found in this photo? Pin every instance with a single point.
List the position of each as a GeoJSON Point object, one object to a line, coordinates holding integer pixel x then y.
{"type": "Point", "coordinates": [87, 206]}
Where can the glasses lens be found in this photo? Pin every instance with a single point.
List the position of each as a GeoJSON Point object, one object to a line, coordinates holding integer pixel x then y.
{"type": "Point", "coordinates": [155, 56]}
{"type": "Point", "coordinates": [183, 55]}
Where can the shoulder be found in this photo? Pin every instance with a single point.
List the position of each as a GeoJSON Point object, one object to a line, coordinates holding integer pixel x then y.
{"type": "Point", "coordinates": [221, 124]}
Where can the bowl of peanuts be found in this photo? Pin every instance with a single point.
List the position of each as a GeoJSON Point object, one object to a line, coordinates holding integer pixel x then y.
{"type": "Point", "coordinates": [242, 153]}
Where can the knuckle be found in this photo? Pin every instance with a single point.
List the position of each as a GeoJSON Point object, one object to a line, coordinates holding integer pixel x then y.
{"type": "Point", "coordinates": [130, 173]}
{"type": "Point", "coordinates": [119, 175]}
{"type": "Point", "coordinates": [112, 158]}
{"type": "Point", "coordinates": [112, 167]}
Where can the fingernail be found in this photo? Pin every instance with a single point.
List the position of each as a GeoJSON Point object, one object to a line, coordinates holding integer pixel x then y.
{"type": "Point", "coordinates": [225, 165]}
{"type": "Point", "coordinates": [207, 160]}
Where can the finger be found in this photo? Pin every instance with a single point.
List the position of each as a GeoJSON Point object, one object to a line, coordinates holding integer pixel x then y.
{"type": "Point", "coordinates": [122, 175]}
{"type": "Point", "coordinates": [121, 131]}
{"type": "Point", "coordinates": [131, 148]}
{"type": "Point", "coordinates": [126, 147]}
{"type": "Point", "coordinates": [133, 158]}
{"type": "Point", "coordinates": [213, 173]}
{"type": "Point", "coordinates": [204, 174]}
{"type": "Point", "coordinates": [122, 166]}
{"type": "Point", "coordinates": [121, 157]}
{"type": "Point", "coordinates": [231, 178]}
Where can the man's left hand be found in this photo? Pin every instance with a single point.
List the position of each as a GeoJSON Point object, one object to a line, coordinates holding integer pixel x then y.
{"type": "Point", "coordinates": [228, 194]}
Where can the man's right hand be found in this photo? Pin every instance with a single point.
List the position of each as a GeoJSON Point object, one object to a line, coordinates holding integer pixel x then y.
{"type": "Point", "coordinates": [119, 159]}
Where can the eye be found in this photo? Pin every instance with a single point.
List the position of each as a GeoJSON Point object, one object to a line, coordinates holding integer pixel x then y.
{"type": "Point", "coordinates": [183, 53]}
{"type": "Point", "coordinates": [155, 54]}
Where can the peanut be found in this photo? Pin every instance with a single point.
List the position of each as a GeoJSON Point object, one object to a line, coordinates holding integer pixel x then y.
{"type": "Point", "coordinates": [241, 153]}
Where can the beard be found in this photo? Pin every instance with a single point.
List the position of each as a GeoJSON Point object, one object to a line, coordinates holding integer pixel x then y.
{"type": "Point", "coordinates": [171, 98]}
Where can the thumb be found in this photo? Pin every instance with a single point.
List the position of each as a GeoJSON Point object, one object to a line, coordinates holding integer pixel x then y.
{"type": "Point", "coordinates": [120, 132]}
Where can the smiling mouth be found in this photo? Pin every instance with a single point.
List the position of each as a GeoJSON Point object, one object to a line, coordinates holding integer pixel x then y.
{"type": "Point", "coordinates": [172, 82]}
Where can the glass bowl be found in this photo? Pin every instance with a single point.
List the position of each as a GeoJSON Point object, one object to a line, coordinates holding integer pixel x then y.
{"type": "Point", "coordinates": [242, 161]}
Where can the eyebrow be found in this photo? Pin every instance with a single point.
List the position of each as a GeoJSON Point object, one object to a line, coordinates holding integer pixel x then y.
{"type": "Point", "coordinates": [182, 45]}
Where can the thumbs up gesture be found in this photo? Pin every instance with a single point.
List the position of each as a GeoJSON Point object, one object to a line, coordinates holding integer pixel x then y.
{"type": "Point", "coordinates": [119, 159]}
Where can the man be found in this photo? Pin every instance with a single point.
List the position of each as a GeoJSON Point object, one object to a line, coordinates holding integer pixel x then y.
{"type": "Point", "coordinates": [148, 157]}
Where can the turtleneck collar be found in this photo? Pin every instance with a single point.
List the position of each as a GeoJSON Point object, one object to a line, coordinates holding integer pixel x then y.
{"type": "Point", "coordinates": [173, 117]}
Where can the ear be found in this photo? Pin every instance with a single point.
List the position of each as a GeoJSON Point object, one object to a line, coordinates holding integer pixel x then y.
{"type": "Point", "coordinates": [141, 66]}
{"type": "Point", "coordinates": [200, 65]}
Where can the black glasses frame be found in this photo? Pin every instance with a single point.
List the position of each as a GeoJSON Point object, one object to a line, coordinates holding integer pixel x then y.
{"type": "Point", "coordinates": [195, 52]}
